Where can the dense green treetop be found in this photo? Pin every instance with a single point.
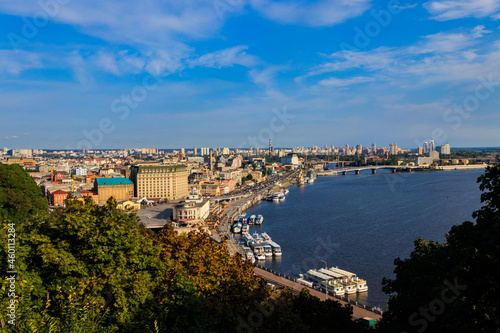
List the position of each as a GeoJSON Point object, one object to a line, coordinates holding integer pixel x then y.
{"type": "Point", "coordinates": [20, 197]}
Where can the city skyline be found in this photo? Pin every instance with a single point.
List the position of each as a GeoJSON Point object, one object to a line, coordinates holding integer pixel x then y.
{"type": "Point", "coordinates": [100, 75]}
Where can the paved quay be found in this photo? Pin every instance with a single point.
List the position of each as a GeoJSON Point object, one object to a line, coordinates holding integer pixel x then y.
{"type": "Point", "coordinates": [358, 311]}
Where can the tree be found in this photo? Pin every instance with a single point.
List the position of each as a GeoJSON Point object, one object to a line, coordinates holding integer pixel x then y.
{"type": "Point", "coordinates": [84, 256]}
{"type": "Point", "coordinates": [451, 287]}
{"type": "Point", "coordinates": [20, 196]}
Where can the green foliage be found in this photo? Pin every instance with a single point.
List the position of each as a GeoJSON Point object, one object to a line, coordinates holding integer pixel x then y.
{"type": "Point", "coordinates": [89, 268]}
{"type": "Point", "coordinates": [20, 197]}
{"type": "Point", "coordinates": [452, 287]}
{"type": "Point", "coordinates": [93, 252]}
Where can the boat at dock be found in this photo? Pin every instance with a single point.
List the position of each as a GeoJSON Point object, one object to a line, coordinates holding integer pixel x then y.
{"type": "Point", "coordinates": [251, 220]}
{"type": "Point", "coordinates": [337, 281]}
{"type": "Point", "coordinates": [259, 250]}
{"type": "Point", "coordinates": [249, 254]}
{"type": "Point", "coordinates": [265, 236]}
{"type": "Point", "coordinates": [247, 238]}
{"type": "Point", "coordinates": [259, 220]}
{"type": "Point", "coordinates": [275, 248]}
{"type": "Point", "coordinates": [237, 227]}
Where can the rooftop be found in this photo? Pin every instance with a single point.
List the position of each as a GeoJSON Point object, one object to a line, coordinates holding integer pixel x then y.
{"type": "Point", "coordinates": [113, 181]}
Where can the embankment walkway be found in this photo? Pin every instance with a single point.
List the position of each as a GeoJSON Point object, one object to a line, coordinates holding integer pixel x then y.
{"type": "Point", "coordinates": [358, 311]}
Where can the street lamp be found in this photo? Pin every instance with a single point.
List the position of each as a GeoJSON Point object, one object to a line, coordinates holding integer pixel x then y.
{"type": "Point", "coordinates": [326, 283]}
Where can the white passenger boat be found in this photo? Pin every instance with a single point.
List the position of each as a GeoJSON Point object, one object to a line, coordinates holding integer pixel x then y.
{"type": "Point", "coordinates": [248, 238]}
{"type": "Point", "coordinates": [258, 250]}
{"type": "Point", "coordinates": [249, 254]}
{"type": "Point", "coordinates": [276, 248]}
{"type": "Point", "coordinates": [259, 219]}
{"type": "Point", "coordinates": [268, 250]}
{"type": "Point", "coordinates": [265, 236]}
{"type": "Point", "coordinates": [244, 228]}
{"type": "Point", "coordinates": [251, 220]}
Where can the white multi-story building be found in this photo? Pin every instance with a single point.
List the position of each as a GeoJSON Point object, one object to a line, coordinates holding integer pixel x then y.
{"type": "Point", "coordinates": [204, 151]}
{"type": "Point", "coordinates": [290, 159]}
{"type": "Point", "coordinates": [80, 171]}
{"type": "Point", "coordinates": [445, 149]}
{"type": "Point", "coordinates": [393, 149]}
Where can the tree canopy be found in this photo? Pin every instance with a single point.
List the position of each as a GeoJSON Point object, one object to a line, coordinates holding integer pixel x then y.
{"type": "Point", "coordinates": [451, 287]}
{"type": "Point", "coordinates": [20, 197]}
{"type": "Point", "coordinates": [90, 268]}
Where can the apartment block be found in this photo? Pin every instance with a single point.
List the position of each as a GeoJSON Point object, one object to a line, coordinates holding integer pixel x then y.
{"type": "Point", "coordinates": [160, 181]}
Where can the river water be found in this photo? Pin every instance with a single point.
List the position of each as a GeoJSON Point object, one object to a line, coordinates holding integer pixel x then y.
{"type": "Point", "coordinates": [361, 223]}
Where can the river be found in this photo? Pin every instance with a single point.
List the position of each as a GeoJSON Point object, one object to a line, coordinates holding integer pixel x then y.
{"type": "Point", "coordinates": [361, 223]}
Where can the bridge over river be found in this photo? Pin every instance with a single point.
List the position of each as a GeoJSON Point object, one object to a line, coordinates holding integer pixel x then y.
{"type": "Point", "coordinates": [373, 168]}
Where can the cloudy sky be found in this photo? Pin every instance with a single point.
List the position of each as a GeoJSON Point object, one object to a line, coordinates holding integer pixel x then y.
{"type": "Point", "coordinates": [171, 74]}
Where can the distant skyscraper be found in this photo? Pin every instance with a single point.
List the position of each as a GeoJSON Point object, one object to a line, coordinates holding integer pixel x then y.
{"type": "Point", "coordinates": [431, 145]}
{"type": "Point", "coordinates": [374, 148]}
{"type": "Point", "coordinates": [204, 151]}
{"type": "Point", "coordinates": [420, 151]}
{"type": "Point", "coordinates": [426, 148]}
{"type": "Point", "coordinates": [445, 149]}
{"type": "Point", "coordinates": [393, 149]}
{"type": "Point", "coordinates": [195, 151]}
{"type": "Point", "coordinates": [270, 148]}
{"type": "Point", "coordinates": [183, 151]}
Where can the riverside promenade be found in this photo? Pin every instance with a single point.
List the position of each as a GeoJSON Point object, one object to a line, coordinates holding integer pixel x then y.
{"type": "Point", "coordinates": [358, 311]}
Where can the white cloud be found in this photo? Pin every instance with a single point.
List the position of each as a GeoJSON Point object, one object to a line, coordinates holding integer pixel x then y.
{"type": "Point", "coordinates": [436, 58]}
{"type": "Point", "coordinates": [14, 63]}
{"type": "Point", "coordinates": [226, 58]}
{"type": "Point", "coordinates": [265, 76]}
{"type": "Point", "coordinates": [454, 9]}
{"type": "Point", "coordinates": [150, 22]}
{"type": "Point", "coordinates": [337, 83]}
{"type": "Point", "coordinates": [316, 14]}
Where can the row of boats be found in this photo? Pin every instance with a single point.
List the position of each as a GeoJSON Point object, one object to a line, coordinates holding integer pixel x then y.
{"type": "Point", "coordinates": [243, 222]}
{"type": "Point", "coordinates": [336, 280]}
{"type": "Point", "coordinates": [277, 196]}
{"type": "Point", "coordinates": [260, 246]}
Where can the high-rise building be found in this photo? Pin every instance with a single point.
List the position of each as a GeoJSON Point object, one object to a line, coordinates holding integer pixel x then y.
{"type": "Point", "coordinates": [374, 148]}
{"type": "Point", "coordinates": [270, 148]}
{"type": "Point", "coordinates": [183, 151]}
{"type": "Point", "coordinates": [445, 149]}
{"type": "Point", "coordinates": [426, 148]}
{"type": "Point", "coordinates": [160, 181]}
{"type": "Point", "coordinates": [431, 145]}
{"type": "Point", "coordinates": [204, 151]}
{"type": "Point", "coordinates": [393, 149]}
{"type": "Point", "coordinates": [195, 151]}
{"type": "Point", "coordinates": [420, 151]}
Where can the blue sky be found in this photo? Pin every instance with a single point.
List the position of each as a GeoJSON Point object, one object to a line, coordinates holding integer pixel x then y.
{"type": "Point", "coordinates": [171, 74]}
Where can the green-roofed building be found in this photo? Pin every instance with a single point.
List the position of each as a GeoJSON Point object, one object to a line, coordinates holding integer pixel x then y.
{"type": "Point", "coordinates": [158, 181]}
{"type": "Point", "coordinates": [120, 188]}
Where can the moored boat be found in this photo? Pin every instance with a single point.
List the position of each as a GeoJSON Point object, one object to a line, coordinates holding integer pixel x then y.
{"type": "Point", "coordinates": [237, 227]}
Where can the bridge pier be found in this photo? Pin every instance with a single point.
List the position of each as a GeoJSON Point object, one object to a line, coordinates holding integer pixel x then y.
{"type": "Point", "coordinates": [356, 172]}
{"type": "Point", "coordinates": [394, 170]}
{"type": "Point", "coordinates": [344, 173]}
{"type": "Point", "coordinates": [374, 171]}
